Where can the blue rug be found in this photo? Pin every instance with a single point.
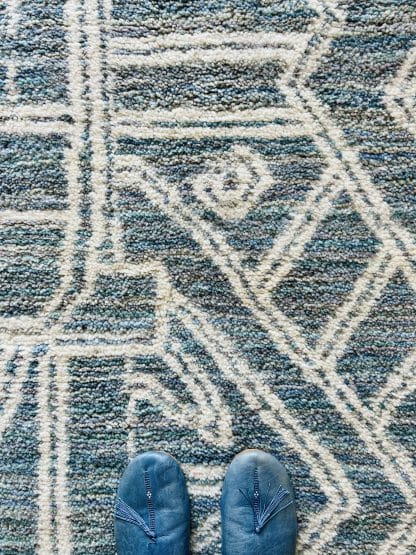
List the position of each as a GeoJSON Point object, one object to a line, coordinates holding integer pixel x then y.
{"type": "Point", "coordinates": [207, 243]}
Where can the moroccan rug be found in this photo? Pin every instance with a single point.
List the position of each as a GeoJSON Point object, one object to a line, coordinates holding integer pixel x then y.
{"type": "Point", "coordinates": [207, 243]}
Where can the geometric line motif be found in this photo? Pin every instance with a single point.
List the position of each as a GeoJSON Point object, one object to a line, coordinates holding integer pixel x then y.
{"type": "Point", "coordinates": [207, 243]}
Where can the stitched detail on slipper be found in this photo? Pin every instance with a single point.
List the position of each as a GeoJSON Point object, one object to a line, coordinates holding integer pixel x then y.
{"type": "Point", "coordinates": [266, 508]}
{"type": "Point", "coordinates": [150, 504]}
{"type": "Point", "coordinates": [123, 511]}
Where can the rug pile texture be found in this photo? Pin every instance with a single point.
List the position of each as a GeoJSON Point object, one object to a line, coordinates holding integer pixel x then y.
{"type": "Point", "coordinates": [207, 243]}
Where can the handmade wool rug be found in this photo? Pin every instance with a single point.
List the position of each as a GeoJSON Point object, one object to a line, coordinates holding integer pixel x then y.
{"type": "Point", "coordinates": [208, 243]}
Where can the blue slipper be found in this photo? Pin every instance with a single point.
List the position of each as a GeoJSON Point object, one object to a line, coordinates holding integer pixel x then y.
{"type": "Point", "coordinates": [152, 507]}
{"type": "Point", "coordinates": [257, 507]}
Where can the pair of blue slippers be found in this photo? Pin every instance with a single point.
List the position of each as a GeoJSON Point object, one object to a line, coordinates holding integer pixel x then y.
{"type": "Point", "coordinates": [152, 512]}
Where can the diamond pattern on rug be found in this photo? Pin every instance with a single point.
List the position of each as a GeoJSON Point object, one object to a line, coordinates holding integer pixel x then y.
{"type": "Point", "coordinates": [207, 243]}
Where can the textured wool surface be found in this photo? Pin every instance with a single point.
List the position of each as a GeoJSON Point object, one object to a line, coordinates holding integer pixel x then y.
{"type": "Point", "coordinates": [208, 243]}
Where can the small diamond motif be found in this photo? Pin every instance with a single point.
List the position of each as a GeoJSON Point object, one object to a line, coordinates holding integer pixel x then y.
{"type": "Point", "coordinates": [234, 183]}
